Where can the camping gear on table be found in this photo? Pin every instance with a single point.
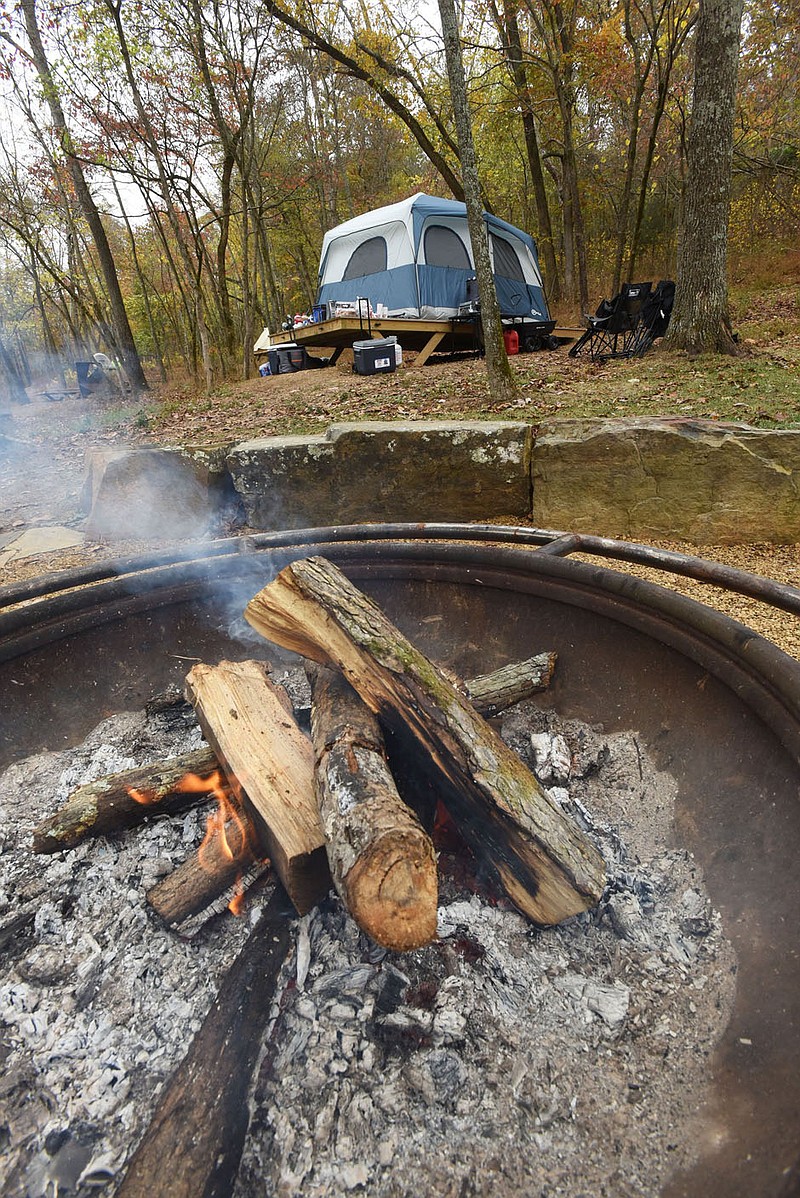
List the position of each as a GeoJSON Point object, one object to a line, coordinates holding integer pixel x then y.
{"type": "Point", "coordinates": [377, 355]}
{"type": "Point", "coordinates": [414, 260]}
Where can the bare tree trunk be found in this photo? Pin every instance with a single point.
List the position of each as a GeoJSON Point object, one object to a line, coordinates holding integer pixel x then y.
{"type": "Point", "coordinates": [56, 363]}
{"type": "Point", "coordinates": [701, 320]}
{"type": "Point", "coordinates": [145, 289]}
{"type": "Point", "coordinates": [500, 379]}
{"type": "Point", "coordinates": [122, 329]}
{"type": "Point", "coordinates": [14, 387]}
{"type": "Point", "coordinates": [512, 47]}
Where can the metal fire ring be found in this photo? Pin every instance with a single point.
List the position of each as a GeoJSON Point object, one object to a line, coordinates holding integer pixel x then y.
{"type": "Point", "coordinates": [47, 609]}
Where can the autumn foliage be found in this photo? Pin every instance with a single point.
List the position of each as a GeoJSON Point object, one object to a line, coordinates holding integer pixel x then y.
{"type": "Point", "coordinates": [221, 140]}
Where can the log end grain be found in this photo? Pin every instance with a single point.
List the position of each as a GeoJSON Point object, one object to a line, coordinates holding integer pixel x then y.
{"type": "Point", "coordinates": [394, 894]}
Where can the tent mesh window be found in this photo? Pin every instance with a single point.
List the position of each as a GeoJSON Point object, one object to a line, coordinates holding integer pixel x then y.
{"type": "Point", "coordinates": [369, 258]}
{"type": "Point", "coordinates": [506, 262]}
{"type": "Point", "coordinates": [443, 247]}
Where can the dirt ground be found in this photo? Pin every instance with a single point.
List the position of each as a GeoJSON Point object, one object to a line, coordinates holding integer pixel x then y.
{"type": "Point", "coordinates": [43, 445]}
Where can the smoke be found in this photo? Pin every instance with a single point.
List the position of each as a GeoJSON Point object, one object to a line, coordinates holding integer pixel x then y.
{"type": "Point", "coordinates": [39, 482]}
{"type": "Point", "coordinates": [158, 495]}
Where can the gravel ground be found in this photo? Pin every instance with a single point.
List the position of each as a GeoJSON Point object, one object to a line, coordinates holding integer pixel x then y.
{"type": "Point", "coordinates": [780, 562]}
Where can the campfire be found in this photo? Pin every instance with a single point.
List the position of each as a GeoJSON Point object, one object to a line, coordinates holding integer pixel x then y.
{"type": "Point", "coordinates": [450, 847]}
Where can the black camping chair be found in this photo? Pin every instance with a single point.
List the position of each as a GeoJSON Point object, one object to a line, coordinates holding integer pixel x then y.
{"type": "Point", "coordinates": [612, 330]}
{"type": "Point", "coordinates": [655, 315]}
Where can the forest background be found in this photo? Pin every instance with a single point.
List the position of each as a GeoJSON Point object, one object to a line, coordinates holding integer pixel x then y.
{"type": "Point", "coordinates": [219, 141]}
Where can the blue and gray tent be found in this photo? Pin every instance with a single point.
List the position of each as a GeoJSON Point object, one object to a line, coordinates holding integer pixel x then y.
{"type": "Point", "coordinates": [415, 257]}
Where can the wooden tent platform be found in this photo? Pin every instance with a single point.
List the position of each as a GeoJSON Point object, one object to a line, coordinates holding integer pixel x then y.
{"type": "Point", "coordinates": [423, 336]}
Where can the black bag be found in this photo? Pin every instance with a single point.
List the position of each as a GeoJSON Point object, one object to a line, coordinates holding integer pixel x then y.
{"type": "Point", "coordinates": [291, 358]}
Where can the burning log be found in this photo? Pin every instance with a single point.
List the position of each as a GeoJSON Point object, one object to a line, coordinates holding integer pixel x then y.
{"type": "Point", "coordinates": [229, 848]}
{"type": "Point", "coordinates": [381, 860]}
{"type": "Point", "coordinates": [546, 864]}
{"type": "Point", "coordinates": [197, 886]}
{"type": "Point", "coordinates": [124, 800]}
{"type": "Point", "coordinates": [248, 720]}
{"type": "Point", "coordinates": [199, 1126]}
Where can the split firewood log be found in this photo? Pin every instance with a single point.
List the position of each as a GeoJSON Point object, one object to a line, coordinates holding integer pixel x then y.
{"type": "Point", "coordinates": [546, 864]}
{"type": "Point", "coordinates": [382, 861]}
{"type": "Point", "coordinates": [194, 1143]}
{"type": "Point", "coordinates": [269, 763]}
{"type": "Point", "coordinates": [123, 800]}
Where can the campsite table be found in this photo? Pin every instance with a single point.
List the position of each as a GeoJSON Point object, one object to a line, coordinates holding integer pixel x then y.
{"type": "Point", "coordinates": [340, 333]}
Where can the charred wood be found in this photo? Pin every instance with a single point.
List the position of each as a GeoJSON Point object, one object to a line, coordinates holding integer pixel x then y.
{"type": "Point", "coordinates": [227, 853]}
{"type": "Point", "coordinates": [124, 800]}
{"type": "Point", "coordinates": [194, 1142]}
{"type": "Point", "coordinates": [546, 864]}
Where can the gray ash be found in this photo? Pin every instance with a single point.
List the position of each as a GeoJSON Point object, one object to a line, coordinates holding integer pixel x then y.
{"type": "Point", "coordinates": [506, 1059]}
{"type": "Point", "coordinates": [503, 1059]}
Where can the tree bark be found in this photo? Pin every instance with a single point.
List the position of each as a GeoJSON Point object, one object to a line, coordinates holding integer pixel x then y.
{"type": "Point", "coordinates": [498, 370]}
{"type": "Point", "coordinates": [492, 693]}
{"type": "Point", "coordinates": [382, 861]}
{"type": "Point", "coordinates": [700, 320]}
{"type": "Point", "coordinates": [547, 866]}
{"type": "Point", "coordinates": [125, 800]}
{"type": "Point", "coordinates": [122, 329]}
{"type": "Point", "coordinates": [193, 1145]}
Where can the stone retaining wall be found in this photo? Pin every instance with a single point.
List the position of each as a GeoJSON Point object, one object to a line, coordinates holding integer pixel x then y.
{"type": "Point", "coordinates": [639, 479]}
{"type": "Point", "coordinates": [643, 479]}
{"type": "Point", "coordinates": [386, 472]}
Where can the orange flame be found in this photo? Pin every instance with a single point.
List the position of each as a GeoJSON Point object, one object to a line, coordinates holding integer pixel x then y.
{"type": "Point", "coordinates": [226, 827]}
{"type": "Point", "coordinates": [236, 905]}
{"type": "Point", "coordinates": [145, 797]}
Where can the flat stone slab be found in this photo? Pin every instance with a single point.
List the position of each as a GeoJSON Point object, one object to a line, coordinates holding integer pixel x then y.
{"type": "Point", "coordinates": [374, 471]}
{"type": "Point", "coordinates": [708, 482]}
{"type": "Point", "coordinates": [31, 542]}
